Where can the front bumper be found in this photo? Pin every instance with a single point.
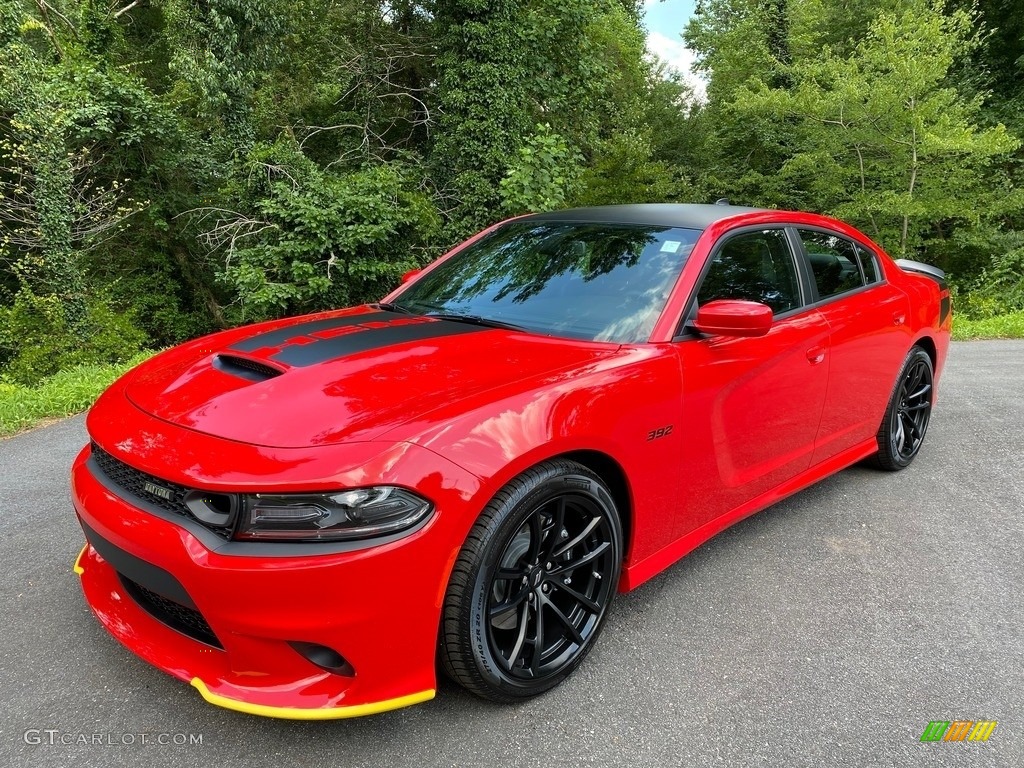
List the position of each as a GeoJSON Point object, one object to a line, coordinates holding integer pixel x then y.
{"type": "Point", "coordinates": [378, 607]}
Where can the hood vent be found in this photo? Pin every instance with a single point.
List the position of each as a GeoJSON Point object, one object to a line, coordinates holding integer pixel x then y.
{"type": "Point", "coordinates": [245, 368]}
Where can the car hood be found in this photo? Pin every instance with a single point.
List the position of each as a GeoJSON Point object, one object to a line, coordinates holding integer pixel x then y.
{"type": "Point", "coordinates": [342, 376]}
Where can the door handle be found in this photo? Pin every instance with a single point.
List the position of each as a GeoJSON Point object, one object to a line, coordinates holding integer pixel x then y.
{"type": "Point", "coordinates": [815, 355]}
{"type": "Point", "coordinates": [898, 317]}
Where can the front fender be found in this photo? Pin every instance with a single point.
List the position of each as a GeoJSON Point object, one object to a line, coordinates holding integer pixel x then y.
{"type": "Point", "coordinates": [627, 408]}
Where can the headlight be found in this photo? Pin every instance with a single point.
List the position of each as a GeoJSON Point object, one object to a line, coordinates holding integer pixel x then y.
{"type": "Point", "coordinates": [357, 514]}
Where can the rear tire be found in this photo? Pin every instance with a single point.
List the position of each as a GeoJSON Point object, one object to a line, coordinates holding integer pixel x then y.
{"type": "Point", "coordinates": [531, 587]}
{"type": "Point", "coordinates": [907, 416]}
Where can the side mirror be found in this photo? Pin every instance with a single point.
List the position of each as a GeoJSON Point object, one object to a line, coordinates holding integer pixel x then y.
{"type": "Point", "coordinates": [410, 275]}
{"type": "Point", "coordinates": [733, 317]}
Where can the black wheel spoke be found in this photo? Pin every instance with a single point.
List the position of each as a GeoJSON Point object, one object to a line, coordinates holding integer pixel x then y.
{"type": "Point", "coordinates": [554, 534]}
{"type": "Point", "coordinates": [538, 640]}
{"type": "Point", "coordinates": [509, 604]}
{"type": "Point", "coordinates": [920, 393]}
{"type": "Point", "coordinates": [536, 534]}
{"type": "Point", "coordinates": [579, 597]}
{"type": "Point", "coordinates": [914, 377]}
{"type": "Point", "coordinates": [576, 636]}
{"type": "Point", "coordinates": [578, 538]}
{"type": "Point", "coordinates": [510, 574]}
{"type": "Point", "coordinates": [517, 649]}
{"type": "Point", "coordinates": [588, 557]}
{"type": "Point", "coordinates": [910, 426]}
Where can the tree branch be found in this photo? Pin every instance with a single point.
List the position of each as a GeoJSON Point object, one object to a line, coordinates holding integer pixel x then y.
{"type": "Point", "coordinates": [118, 14]}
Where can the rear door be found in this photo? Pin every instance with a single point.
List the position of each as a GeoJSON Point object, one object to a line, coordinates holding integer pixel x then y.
{"type": "Point", "coordinates": [751, 406]}
{"type": "Point", "coordinates": [868, 336]}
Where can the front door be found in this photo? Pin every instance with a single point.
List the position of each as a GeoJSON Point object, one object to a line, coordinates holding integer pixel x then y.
{"type": "Point", "coordinates": [751, 406]}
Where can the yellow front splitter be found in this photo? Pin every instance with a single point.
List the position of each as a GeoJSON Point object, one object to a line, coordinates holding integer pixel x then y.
{"type": "Point", "coordinates": [78, 561]}
{"type": "Point", "coordinates": [297, 713]}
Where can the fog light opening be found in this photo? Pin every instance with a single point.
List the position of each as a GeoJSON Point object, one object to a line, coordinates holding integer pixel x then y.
{"type": "Point", "coordinates": [326, 658]}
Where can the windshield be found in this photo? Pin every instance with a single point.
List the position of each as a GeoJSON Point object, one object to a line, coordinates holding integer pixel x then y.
{"type": "Point", "coordinates": [602, 282]}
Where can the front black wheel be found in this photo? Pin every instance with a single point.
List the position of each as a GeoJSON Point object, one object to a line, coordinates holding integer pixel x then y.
{"type": "Point", "coordinates": [532, 584]}
{"type": "Point", "coordinates": [908, 413]}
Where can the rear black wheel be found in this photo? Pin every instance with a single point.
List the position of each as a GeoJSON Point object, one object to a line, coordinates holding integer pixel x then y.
{"type": "Point", "coordinates": [530, 590]}
{"type": "Point", "coordinates": [908, 413]}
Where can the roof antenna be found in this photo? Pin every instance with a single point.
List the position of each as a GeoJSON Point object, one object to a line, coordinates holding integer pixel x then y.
{"type": "Point", "coordinates": [722, 201]}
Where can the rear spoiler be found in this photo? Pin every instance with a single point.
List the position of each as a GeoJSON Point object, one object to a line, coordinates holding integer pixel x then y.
{"type": "Point", "coordinates": [924, 269]}
{"type": "Point", "coordinates": [945, 302]}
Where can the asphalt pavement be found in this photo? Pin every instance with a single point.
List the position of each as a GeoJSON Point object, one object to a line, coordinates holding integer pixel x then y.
{"type": "Point", "coordinates": [826, 631]}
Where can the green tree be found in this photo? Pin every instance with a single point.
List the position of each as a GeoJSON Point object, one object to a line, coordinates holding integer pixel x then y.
{"type": "Point", "coordinates": [858, 113]}
{"type": "Point", "coordinates": [311, 239]}
{"type": "Point", "coordinates": [736, 41]}
{"type": "Point", "coordinates": [62, 107]}
{"type": "Point", "coordinates": [505, 67]}
{"type": "Point", "coordinates": [67, 118]}
{"type": "Point", "coordinates": [644, 133]}
{"type": "Point", "coordinates": [543, 176]}
{"type": "Point", "coordinates": [882, 136]}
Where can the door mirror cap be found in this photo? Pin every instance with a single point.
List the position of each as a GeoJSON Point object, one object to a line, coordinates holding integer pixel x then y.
{"type": "Point", "coordinates": [734, 317]}
{"type": "Point", "coordinates": [410, 275]}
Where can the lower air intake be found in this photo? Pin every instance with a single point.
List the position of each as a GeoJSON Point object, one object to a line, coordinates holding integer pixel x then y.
{"type": "Point", "coordinates": [181, 618]}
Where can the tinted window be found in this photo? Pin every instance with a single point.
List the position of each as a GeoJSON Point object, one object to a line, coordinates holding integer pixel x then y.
{"type": "Point", "coordinates": [868, 264]}
{"type": "Point", "coordinates": [755, 266]}
{"type": "Point", "coordinates": [833, 263]}
{"type": "Point", "coordinates": [605, 282]}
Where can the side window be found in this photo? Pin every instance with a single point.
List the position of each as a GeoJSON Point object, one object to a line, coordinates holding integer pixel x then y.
{"type": "Point", "coordinates": [833, 261]}
{"type": "Point", "coordinates": [756, 266]}
{"type": "Point", "coordinates": [868, 263]}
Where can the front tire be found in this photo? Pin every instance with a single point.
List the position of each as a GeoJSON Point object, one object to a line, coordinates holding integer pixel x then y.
{"type": "Point", "coordinates": [907, 416]}
{"type": "Point", "coordinates": [531, 587]}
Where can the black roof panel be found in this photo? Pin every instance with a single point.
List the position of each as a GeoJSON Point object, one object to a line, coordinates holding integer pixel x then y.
{"type": "Point", "coordinates": [658, 214]}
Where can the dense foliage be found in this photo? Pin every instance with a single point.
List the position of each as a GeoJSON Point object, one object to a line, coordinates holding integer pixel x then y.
{"type": "Point", "coordinates": [168, 167]}
{"type": "Point", "coordinates": [900, 116]}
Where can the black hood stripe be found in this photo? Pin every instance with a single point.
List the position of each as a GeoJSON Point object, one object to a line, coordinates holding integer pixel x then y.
{"type": "Point", "coordinates": [282, 336]}
{"type": "Point", "coordinates": [321, 340]}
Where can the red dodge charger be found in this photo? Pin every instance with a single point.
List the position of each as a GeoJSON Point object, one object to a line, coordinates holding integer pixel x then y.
{"type": "Point", "coordinates": [305, 518]}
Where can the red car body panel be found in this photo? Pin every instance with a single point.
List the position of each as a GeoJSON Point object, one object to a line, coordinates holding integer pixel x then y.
{"type": "Point", "coordinates": [698, 434]}
{"type": "Point", "coordinates": [343, 400]}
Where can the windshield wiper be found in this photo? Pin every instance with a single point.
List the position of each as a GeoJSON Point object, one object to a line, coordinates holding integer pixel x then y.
{"type": "Point", "coordinates": [476, 320]}
{"type": "Point", "coordinates": [392, 307]}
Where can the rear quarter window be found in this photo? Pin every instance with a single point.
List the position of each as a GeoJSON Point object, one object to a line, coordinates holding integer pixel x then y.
{"type": "Point", "coordinates": [869, 263]}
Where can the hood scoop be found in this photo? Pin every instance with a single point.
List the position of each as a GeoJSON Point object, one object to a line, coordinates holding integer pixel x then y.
{"type": "Point", "coordinates": [246, 368]}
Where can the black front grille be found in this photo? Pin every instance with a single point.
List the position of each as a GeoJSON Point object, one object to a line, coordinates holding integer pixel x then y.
{"type": "Point", "coordinates": [178, 617]}
{"type": "Point", "coordinates": [161, 493]}
{"type": "Point", "coordinates": [134, 481]}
